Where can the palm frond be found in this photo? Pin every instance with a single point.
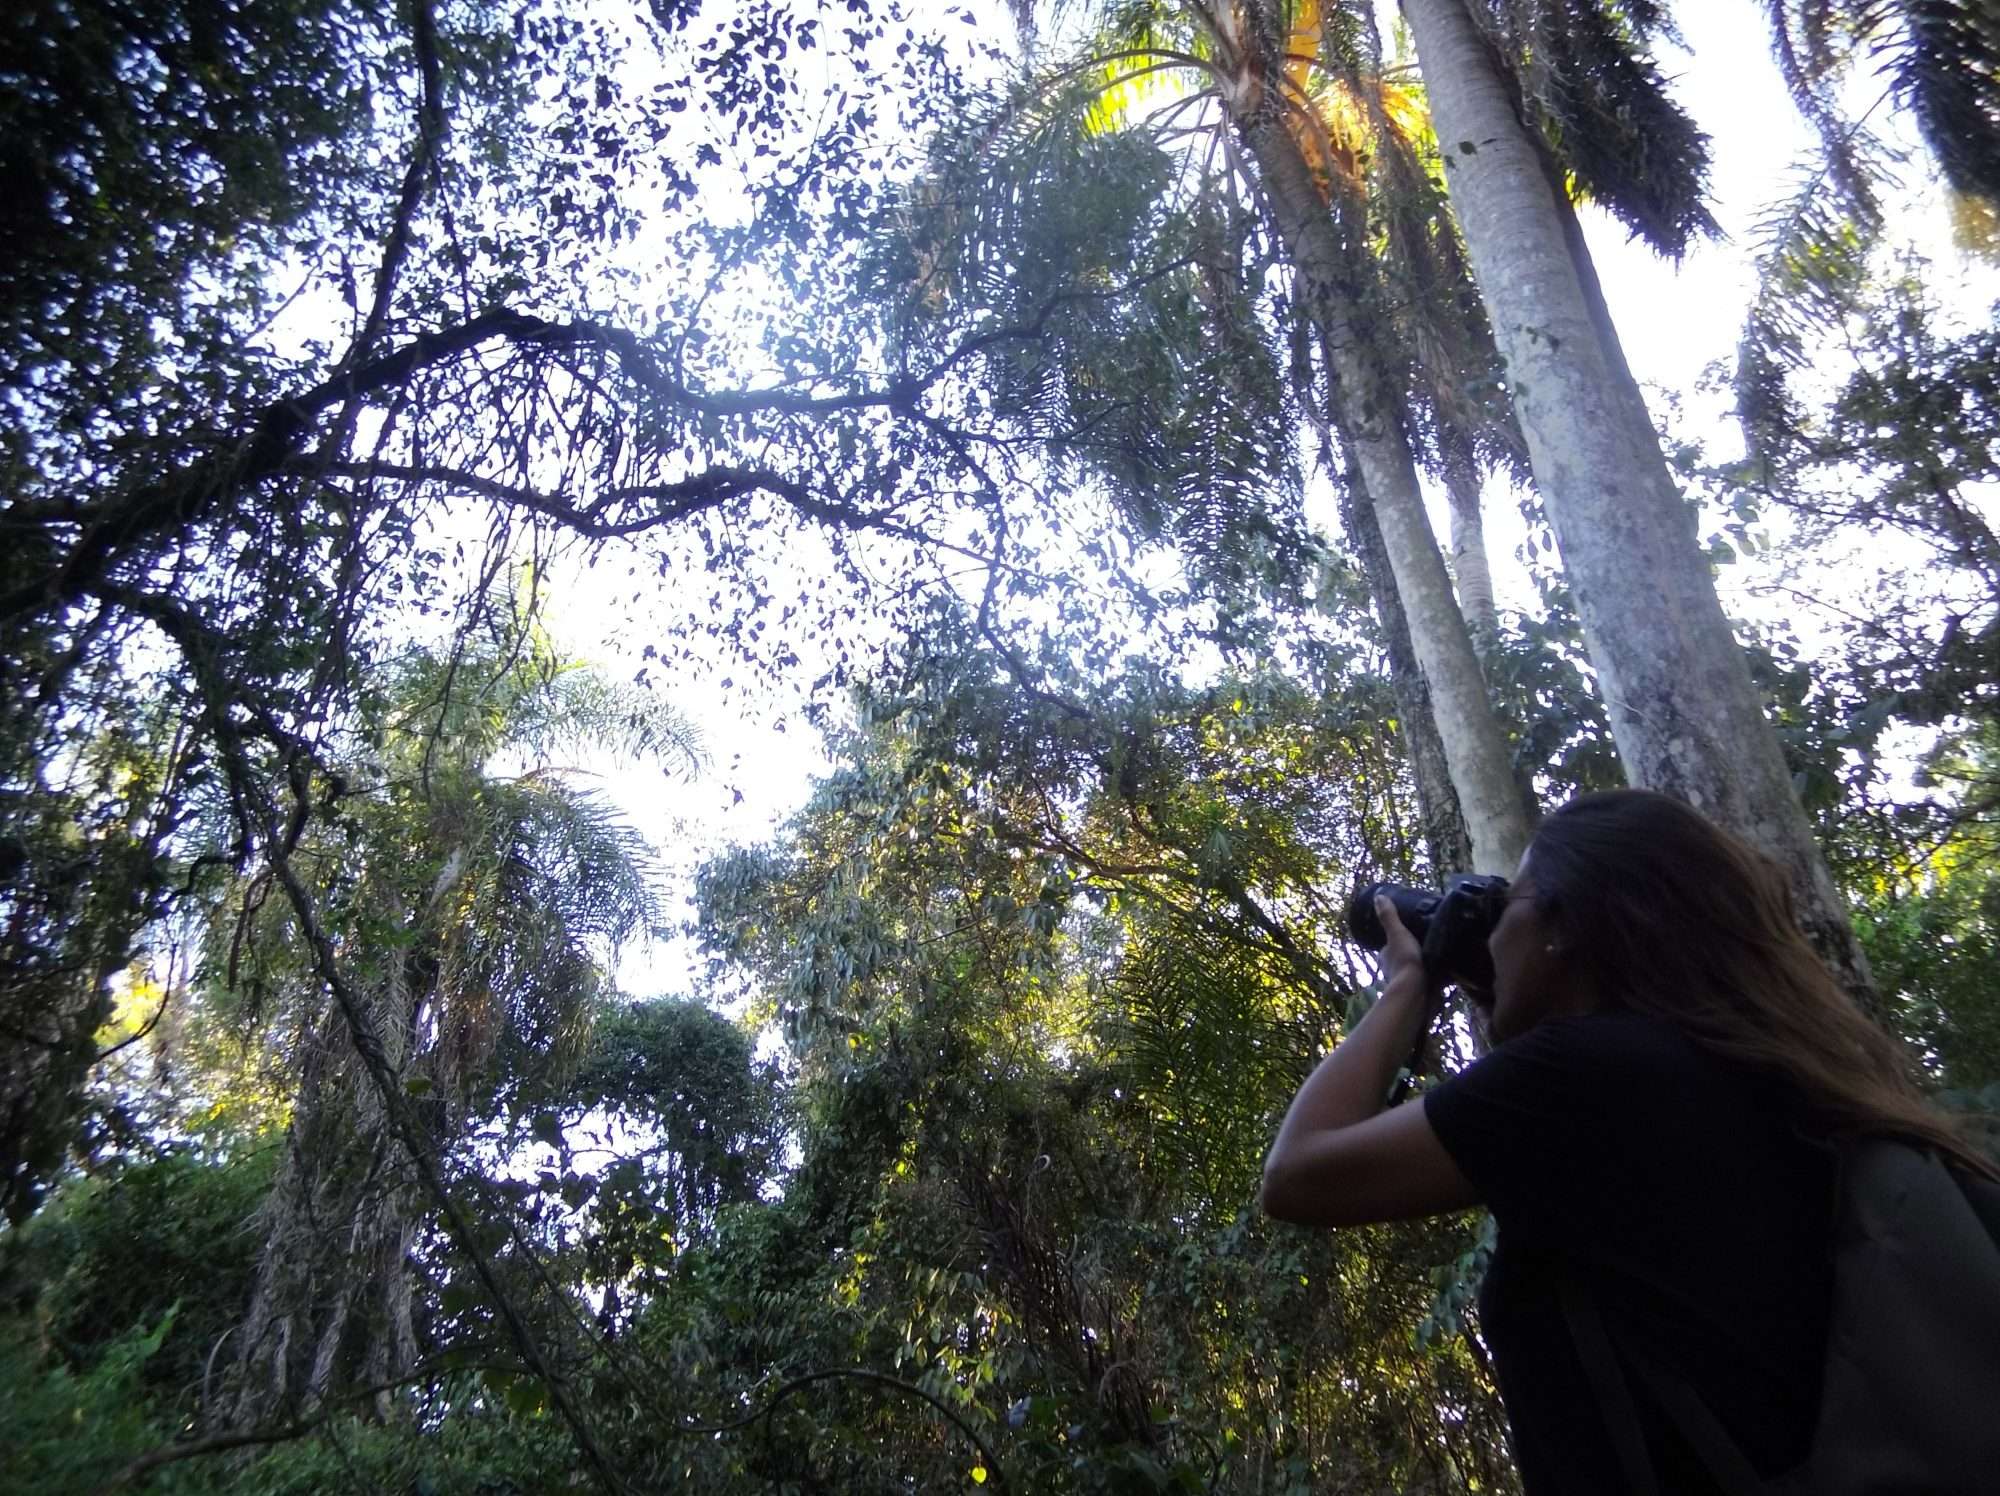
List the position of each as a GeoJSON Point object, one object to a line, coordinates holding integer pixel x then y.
{"type": "Point", "coordinates": [582, 706]}
{"type": "Point", "coordinates": [1210, 1039]}
{"type": "Point", "coordinates": [571, 853]}
{"type": "Point", "coordinates": [1943, 60]}
{"type": "Point", "coordinates": [1946, 66]}
{"type": "Point", "coordinates": [504, 685]}
{"type": "Point", "coordinates": [1168, 395]}
{"type": "Point", "coordinates": [1457, 396]}
{"type": "Point", "coordinates": [1813, 249]}
{"type": "Point", "coordinates": [550, 883]}
{"type": "Point", "coordinates": [1590, 81]}
{"type": "Point", "coordinates": [1811, 60]}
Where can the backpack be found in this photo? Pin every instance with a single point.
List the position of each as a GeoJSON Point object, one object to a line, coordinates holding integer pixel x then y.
{"type": "Point", "coordinates": [1910, 1400]}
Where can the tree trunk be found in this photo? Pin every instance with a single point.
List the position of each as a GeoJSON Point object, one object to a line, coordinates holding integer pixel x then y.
{"type": "Point", "coordinates": [331, 1303]}
{"type": "Point", "coordinates": [1446, 840]}
{"type": "Point", "coordinates": [1366, 408]}
{"type": "Point", "coordinates": [1468, 546]}
{"type": "Point", "coordinates": [1684, 712]}
{"type": "Point", "coordinates": [1475, 591]}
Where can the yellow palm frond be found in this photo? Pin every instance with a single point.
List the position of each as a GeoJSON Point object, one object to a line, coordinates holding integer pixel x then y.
{"type": "Point", "coordinates": [1302, 41]}
{"type": "Point", "coordinates": [1339, 123]}
{"type": "Point", "coordinates": [1337, 135]}
{"type": "Point", "coordinates": [1406, 109]}
{"type": "Point", "coordinates": [1134, 82]}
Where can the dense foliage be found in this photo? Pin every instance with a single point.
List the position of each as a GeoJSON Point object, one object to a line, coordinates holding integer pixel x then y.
{"type": "Point", "coordinates": [961, 397]}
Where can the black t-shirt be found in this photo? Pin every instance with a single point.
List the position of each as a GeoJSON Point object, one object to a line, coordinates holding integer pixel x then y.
{"type": "Point", "coordinates": [1673, 1185]}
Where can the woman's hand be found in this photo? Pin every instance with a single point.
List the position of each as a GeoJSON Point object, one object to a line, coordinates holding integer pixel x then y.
{"type": "Point", "coordinates": [1402, 957]}
{"type": "Point", "coordinates": [1339, 1159]}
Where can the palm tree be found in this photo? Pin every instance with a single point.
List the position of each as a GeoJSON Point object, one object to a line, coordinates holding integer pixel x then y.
{"type": "Point", "coordinates": [1335, 152]}
{"type": "Point", "coordinates": [476, 905]}
{"type": "Point", "coordinates": [1340, 289]}
{"type": "Point", "coordinates": [1684, 712]}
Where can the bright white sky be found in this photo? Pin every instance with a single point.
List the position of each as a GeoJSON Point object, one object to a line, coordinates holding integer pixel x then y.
{"type": "Point", "coordinates": [1675, 321]}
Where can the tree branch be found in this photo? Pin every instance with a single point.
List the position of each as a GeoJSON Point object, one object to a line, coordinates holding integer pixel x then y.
{"type": "Point", "coordinates": [277, 431]}
{"type": "Point", "coordinates": [859, 1374]}
{"type": "Point", "coordinates": [423, 160]}
{"type": "Point", "coordinates": [188, 1449]}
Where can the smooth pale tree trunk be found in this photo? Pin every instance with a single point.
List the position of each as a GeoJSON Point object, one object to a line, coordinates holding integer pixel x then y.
{"type": "Point", "coordinates": [1365, 406]}
{"type": "Point", "coordinates": [1441, 825]}
{"type": "Point", "coordinates": [1446, 839]}
{"type": "Point", "coordinates": [1684, 712]}
{"type": "Point", "coordinates": [1473, 577]}
{"type": "Point", "coordinates": [1469, 568]}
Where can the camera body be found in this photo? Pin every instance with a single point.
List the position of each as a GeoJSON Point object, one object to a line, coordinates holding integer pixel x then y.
{"type": "Point", "coordinates": [1451, 926]}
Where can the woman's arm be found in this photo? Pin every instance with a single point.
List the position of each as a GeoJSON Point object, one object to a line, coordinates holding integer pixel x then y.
{"type": "Point", "coordinates": [1339, 1159]}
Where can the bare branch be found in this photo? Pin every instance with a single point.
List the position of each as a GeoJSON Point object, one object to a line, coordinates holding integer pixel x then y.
{"type": "Point", "coordinates": [423, 161]}
{"type": "Point", "coordinates": [189, 1449]}
{"type": "Point", "coordinates": [858, 1374]}
{"type": "Point", "coordinates": [277, 431]}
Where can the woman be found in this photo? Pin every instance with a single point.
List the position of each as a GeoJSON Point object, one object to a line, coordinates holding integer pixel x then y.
{"type": "Point", "coordinates": [1656, 1128]}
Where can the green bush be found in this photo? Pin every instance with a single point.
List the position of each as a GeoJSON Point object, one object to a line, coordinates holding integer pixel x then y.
{"type": "Point", "coordinates": [170, 1242]}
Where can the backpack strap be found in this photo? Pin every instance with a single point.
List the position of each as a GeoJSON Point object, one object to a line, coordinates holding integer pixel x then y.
{"type": "Point", "coordinates": [1703, 1431]}
{"type": "Point", "coordinates": [1681, 1404]}
{"type": "Point", "coordinates": [1983, 1195]}
{"type": "Point", "coordinates": [1614, 1397]}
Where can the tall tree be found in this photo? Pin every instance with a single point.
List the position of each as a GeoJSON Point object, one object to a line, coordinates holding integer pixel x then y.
{"type": "Point", "coordinates": [1341, 293]}
{"type": "Point", "coordinates": [1183, 403]}
{"type": "Point", "coordinates": [1319, 157]}
{"type": "Point", "coordinates": [1686, 715]}
{"type": "Point", "coordinates": [480, 908]}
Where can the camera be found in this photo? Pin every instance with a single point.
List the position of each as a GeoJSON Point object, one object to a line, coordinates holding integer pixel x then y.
{"type": "Point", "coordinates": [1451, 926]}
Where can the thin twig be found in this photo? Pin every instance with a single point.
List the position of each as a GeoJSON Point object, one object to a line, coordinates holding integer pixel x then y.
{"type": "Point", "coordinates": [859, 1374]}
{"type": "Point", "coordinates": [187, 1449]}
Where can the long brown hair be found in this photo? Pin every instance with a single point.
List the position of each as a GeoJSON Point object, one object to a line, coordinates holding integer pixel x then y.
{"type": "Point", "coordinates": [1667, 915]}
